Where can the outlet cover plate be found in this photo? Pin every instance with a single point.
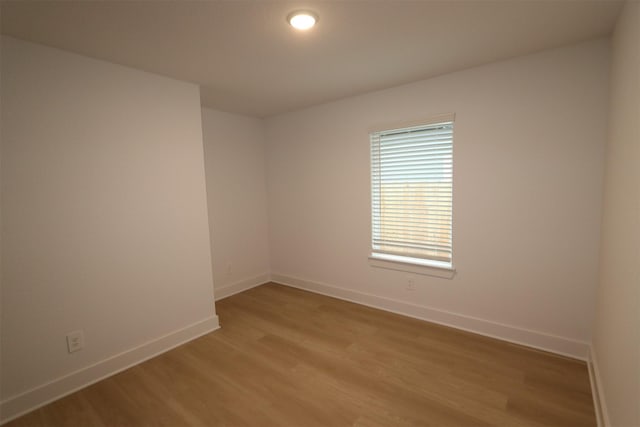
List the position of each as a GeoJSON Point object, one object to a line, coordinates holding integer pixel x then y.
{"type": "Point", "coordinates": [75, 341]}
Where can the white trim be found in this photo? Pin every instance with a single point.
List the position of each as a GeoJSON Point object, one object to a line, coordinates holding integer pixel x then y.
{"type": "Point", "coordinates": [594, 390]}
{"type": "Point", "coordinates": [539, 340]}
{"type": "Point", "coordinates": [240, 286]}
{"type": "Point", "coordinates": [599, 402]}
{"type": "Point", "coordinates": [426, 267]}
{"type": "Point", "coordinates": [20, 404]}
{"type": "Point", "coordinates": [438, 118]}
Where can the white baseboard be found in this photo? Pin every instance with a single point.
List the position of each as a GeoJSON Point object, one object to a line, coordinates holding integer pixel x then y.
{"type": "Point", "coordinates": [22, 403]}
{"type": "Point", "coordinates": [240, 286]}
{"type": "Point", "coordinates": [599, 402]}
{"type": "Point", "coordinates": [551, 343]}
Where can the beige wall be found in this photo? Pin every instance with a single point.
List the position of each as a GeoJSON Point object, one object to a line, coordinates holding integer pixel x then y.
{"type": "Point", "coordinates": [236, 189]}
{"type": "Point", "coordinates": [528, 150]}
{"type": "Point", "coordinates": [616, 341]}
{"type": "Point", "coordinates": [104, 215]}
{"type": "Point", "coordinates": [1, 287]}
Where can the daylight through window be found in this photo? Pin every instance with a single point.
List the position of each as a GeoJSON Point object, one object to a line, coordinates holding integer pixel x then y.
{"type": "Point", "coordinates": [411, 194]}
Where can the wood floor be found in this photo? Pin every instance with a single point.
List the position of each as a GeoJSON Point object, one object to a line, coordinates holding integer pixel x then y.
{"type": "Point", "coordinates": [286, 357]}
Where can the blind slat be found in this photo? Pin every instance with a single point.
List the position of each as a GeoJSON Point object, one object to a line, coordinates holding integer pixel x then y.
{"type": "Point", "coordinates": [406, 245]}
{"type": "Point", "coordinates": [408, 229]}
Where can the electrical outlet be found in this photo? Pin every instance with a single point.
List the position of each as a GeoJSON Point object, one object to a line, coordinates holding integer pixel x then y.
{"type": "Point", "coordinates": [411, 286]}
{"type": "Point", "coordinates": [75, 341]}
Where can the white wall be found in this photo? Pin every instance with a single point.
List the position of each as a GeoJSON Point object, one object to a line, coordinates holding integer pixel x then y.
{"type": "Point", "coordinates": [616, 342]}
{"type": "Point", "coordinates": [528, 150]}
{"type": "Point", "coordinates": [236, 189]}
{"type": "Point", "coordinates": [104, 219]}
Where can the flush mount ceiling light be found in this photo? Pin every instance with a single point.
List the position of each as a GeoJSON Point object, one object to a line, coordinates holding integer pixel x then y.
{"type": "Point", "coordinates": [302, 19]}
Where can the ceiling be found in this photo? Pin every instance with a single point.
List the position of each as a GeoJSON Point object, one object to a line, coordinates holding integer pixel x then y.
{"type": "Point", "coordinates": [248, 60]}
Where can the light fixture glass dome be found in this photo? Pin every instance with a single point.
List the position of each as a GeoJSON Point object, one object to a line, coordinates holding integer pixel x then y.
{"type": "Point", "coordinates": [302, 19]}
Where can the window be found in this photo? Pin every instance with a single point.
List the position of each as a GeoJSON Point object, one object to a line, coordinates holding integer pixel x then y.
{"type": "Point", "coordinates": [412, 194]}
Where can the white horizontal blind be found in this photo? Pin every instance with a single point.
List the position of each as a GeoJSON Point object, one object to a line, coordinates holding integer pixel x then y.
{"type": "Point", "coordinates": [411, 194]}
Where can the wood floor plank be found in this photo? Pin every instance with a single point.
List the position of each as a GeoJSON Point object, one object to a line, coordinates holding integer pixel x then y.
{"type": "Point", "coordinates": [286, 357]}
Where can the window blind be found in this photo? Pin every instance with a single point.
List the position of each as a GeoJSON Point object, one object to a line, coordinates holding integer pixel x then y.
{"type": "Point", "coordinates": [411, 192]}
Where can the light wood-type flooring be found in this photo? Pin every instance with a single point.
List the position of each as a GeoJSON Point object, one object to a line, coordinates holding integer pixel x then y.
{"type": "Point", "coordinates": [286, 357]}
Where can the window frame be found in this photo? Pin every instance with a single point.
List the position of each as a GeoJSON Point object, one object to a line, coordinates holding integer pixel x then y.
{"type": "Point", "coordinates": [415, 265]}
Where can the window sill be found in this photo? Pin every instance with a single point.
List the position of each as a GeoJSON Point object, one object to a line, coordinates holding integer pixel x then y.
{"type": "Point", "coordinates": [412, 265]}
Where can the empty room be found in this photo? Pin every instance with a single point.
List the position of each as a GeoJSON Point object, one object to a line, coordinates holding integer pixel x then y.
{"type": "Point", "coordinates": [320, 213]}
